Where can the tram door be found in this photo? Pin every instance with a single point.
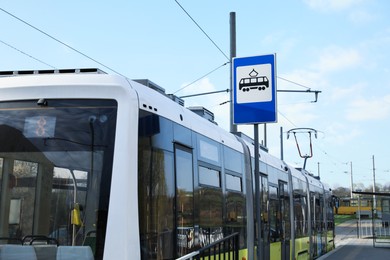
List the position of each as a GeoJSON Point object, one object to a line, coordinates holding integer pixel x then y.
{"type": "Point", "coordinates": [313, 232]}
{"type": "Point", "coordinates": [285, 227]}
{"type": "Point", "coordinates": [265, 221]}
{"type": "Point", "coordinates": [280, 227]}
{"type": "Point", "coordinates": [316, 215]}
{"type": "Point", "coordinates": [184, 205]}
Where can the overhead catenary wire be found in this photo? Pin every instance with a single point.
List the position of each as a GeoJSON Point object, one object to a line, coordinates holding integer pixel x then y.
{"type": "Point", "coordinates": [283, 115]}
{"type": "Point", "coordinates": [28, 55]}
{"type": "Point", "coordinates": [184, 10]}
{"type": "Point", "coordinates": [59, 41]}
{"type": "Point", "coordinates": [220, 50]}
{"type": "Point", "coordinates": [298, 84]}
{"type": "Point", "coordinates": [205, 75]}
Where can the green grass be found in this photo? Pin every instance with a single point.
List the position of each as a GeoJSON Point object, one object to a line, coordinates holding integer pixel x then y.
{"type": "Point", "coordinates": [338, 219]}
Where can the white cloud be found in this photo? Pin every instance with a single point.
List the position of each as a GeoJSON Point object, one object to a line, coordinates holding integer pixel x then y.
{"type": "Point", "coordinates": [330, 59]}
{"type": "Point", "coordinates": [343, 93]}
{"type": "Point", "coordinates": [338, 134]}
{"type": "Point", "coordinates": [361, 17]}
{"type": "Point", "coordinates": [369, 109]}
{"type": "Point", "coordinates": [285, 41]}
{"type": "Point", "coordinates": [298, 114]}
{"type": "Point", "coordinates": [335, 58]}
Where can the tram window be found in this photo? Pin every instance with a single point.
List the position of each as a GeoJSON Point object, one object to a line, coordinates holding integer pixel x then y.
{"type": "Point", "coordinates": [235, 206]}
{"type": "Point", "coordinates": [264, 198]}
{"type": "Point", "coordinates": [318, 212]}
{"type": "Point", "coordinates": [300, 214]}
{"type": "Point", "coordinates": [1, 175]}
{"type": "Point", "coordinates": [208, 176]}
{"type": "Point", "coordinates": [64, 183]}
{"type": "Point", "coordinates": [233, 160]}
{"type": "Point", "coordinates": [272, 171]}
{"type": "Point", "coordinates": [15, 211]}
{"type": "Point", "coordinates": [235, 215]}
{"type": "Point", "coordinates": [210, 215]}
{"type": "Point", "coordinates": [156, 193]}
{"type": "Point", "coordinates": [274, 214]}
{"type": "Point", "coordinates": [148, 125]}
{"type": "Point", "coordinates": [209, 150]}
{"type": "Point", "coordinates": [233, 183]}
{"type": "Point", "coordinates": [181, 135]}
{"type": "Point", "coordinates": [184, 200]}
{"type": "Point", "coordinates": [21, 184]}
{"type": "Point", "coordinates": [354, 202]}
{"type": "Point", "coordinates": [80, 145]}
{"type": "Point", "coordinates": [265, 214]}
{"type": "Point", "coordinates": [157, 128]}
{"type": "Point", "coordinates": [364, 203]}
{"type": "Point", "coordinates": [299, 186]}
{"type": "Point", "coordinates": [284, 201]}
{"type": "Point", "coordinates": [329, 212]}
{"type": "Point", "coordinates": [263, 167]}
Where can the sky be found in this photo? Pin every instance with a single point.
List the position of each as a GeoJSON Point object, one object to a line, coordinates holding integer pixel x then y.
{"type": "Point", "coordinates": [338, 47]}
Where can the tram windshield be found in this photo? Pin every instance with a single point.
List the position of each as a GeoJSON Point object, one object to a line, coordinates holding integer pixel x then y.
{"type": "Point", "coordinates": [55, 170]}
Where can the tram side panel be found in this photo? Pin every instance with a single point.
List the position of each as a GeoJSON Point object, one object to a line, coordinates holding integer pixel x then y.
{"type": "Point", "coordinates": [191, 190]}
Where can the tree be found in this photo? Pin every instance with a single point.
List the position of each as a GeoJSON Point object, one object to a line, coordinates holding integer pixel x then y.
{"type": "Point", "coordinates": [342, 192]}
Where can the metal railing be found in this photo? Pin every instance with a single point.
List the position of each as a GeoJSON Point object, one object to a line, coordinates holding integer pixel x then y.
{"type": "Point", "coordinates": [226, 249]}
{"type": "Point", "coordinates": [373, 228]}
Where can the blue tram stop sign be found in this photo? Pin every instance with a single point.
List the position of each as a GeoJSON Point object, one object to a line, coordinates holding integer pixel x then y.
{"type": "Point", "coordinates": [254, 90]}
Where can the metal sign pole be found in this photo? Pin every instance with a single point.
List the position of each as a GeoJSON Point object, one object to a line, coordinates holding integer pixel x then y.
{"type": "Point", "coordinates": [257, 192]}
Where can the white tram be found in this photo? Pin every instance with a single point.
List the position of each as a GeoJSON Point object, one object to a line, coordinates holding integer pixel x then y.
{"type": "Point", "coordinates": [96, 166]}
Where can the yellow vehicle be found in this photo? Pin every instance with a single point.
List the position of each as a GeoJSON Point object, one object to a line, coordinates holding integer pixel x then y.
{"type": "Point", "coordinates": [350, 206]}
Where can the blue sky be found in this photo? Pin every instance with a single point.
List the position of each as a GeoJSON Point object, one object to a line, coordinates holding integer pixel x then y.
{"type": "Point", "coordinates": [339, 47]}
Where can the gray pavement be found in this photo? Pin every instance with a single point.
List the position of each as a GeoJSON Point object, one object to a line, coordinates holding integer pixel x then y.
{"type": "Point", "coordinates": [349, 246]}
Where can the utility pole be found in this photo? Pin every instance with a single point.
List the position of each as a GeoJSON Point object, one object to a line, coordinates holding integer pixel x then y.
{"type": "Point", "coordinates": [319, 169]}
{"type": "Point", "coordinates": [351, 181]}
{"type": "Point", "coordinates": [233, 127]}
{"type": "Point", "coordinates": [373, 187]}
{"type": "Point", "coordinates": [281, 143]}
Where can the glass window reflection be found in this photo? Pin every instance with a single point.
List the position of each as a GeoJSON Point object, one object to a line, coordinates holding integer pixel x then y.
{"type": "Point", "coordinates": [210, 177]}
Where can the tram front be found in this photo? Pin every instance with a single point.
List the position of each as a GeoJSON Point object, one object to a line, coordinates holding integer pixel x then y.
{"type": "Point", "coordinates": [56, 163]}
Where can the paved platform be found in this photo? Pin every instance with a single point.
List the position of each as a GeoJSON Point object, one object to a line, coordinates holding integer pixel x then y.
{"type": "Point", "coordinates": [358, 249]}
{"type": "Point", "coordinates": [349, 246]}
